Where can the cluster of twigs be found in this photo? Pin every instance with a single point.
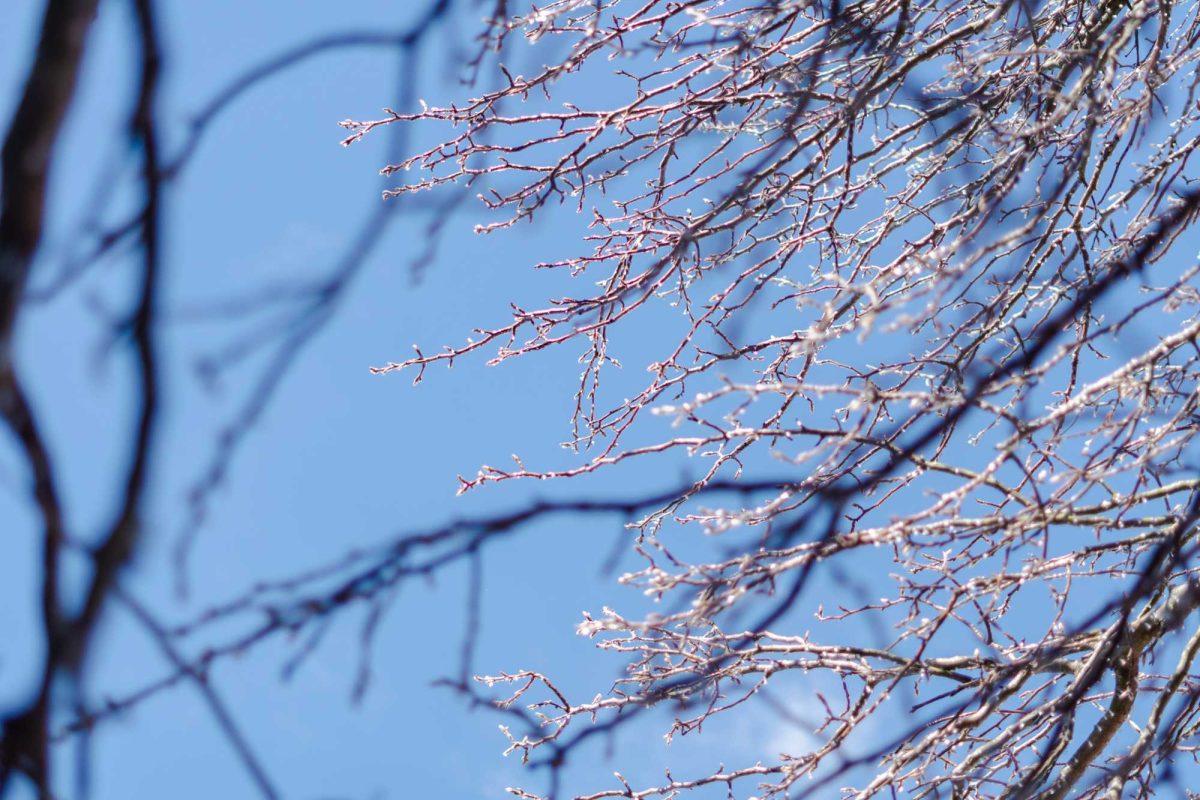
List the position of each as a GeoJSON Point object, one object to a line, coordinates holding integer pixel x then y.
{"type": "Point", "coordinates": [930, 258]}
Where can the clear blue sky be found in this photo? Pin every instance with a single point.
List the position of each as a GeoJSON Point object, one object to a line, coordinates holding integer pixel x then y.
{"type": "Point", "coordinates": [341, 458]}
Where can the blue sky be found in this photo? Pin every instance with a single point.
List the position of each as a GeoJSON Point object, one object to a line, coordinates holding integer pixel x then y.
{"type": "Point", "coordinates": [340, 458]}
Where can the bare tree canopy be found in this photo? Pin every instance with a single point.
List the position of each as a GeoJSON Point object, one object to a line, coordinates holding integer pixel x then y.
{"type": "Point", "coordinates": [910, 287]}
